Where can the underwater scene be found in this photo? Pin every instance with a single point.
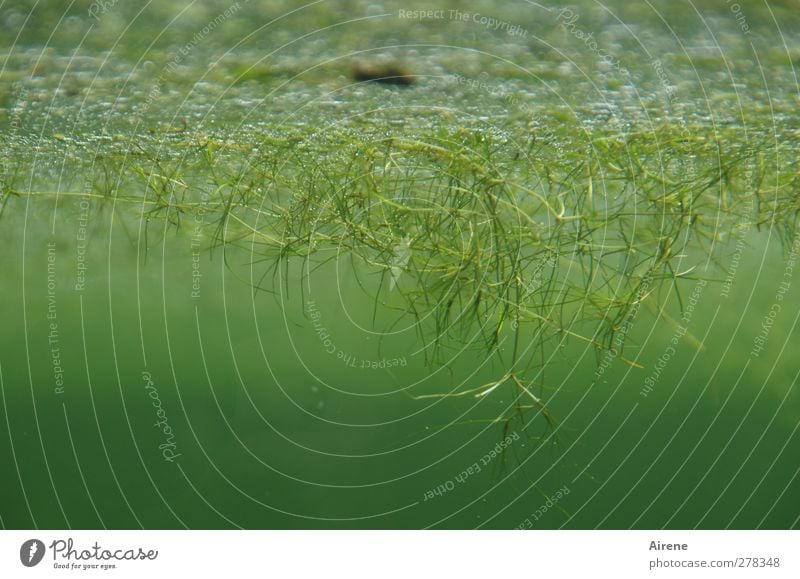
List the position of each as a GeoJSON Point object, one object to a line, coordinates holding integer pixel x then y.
{"type": "Point", "coordinates": [354, 264]}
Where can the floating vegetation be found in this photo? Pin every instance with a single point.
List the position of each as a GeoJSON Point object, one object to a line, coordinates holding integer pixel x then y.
{"type": "Point", "coordinates": [512, 248]}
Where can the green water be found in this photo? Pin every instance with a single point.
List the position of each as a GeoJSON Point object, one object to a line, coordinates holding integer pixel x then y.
{"type": "Point", "coordinates": [153, 378]}
{"type": "Point", "coordinates": [269, 429]}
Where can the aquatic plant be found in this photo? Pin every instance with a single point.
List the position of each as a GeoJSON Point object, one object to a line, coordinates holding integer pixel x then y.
{"type": "Point", "coordinates": [514, 248]}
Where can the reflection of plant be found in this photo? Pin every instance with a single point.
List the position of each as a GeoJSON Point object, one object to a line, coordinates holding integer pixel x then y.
{"type": "Point", "coordinates": [511, 250]}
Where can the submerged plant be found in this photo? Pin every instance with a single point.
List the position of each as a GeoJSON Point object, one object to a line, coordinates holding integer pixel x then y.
{"type": "Point", "coordinates": [513, 248]}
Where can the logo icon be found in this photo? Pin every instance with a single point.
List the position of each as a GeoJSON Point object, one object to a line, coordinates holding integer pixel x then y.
{"type": "Point", "coordinates": [31, 552]}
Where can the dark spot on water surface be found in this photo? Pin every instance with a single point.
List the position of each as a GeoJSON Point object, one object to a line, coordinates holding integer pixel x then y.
{"type": "Point", "coordinates": [383, 73]}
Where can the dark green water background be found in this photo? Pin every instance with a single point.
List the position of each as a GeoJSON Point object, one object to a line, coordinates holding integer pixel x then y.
{"type": "Point", "coordinates": [273, 431]}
